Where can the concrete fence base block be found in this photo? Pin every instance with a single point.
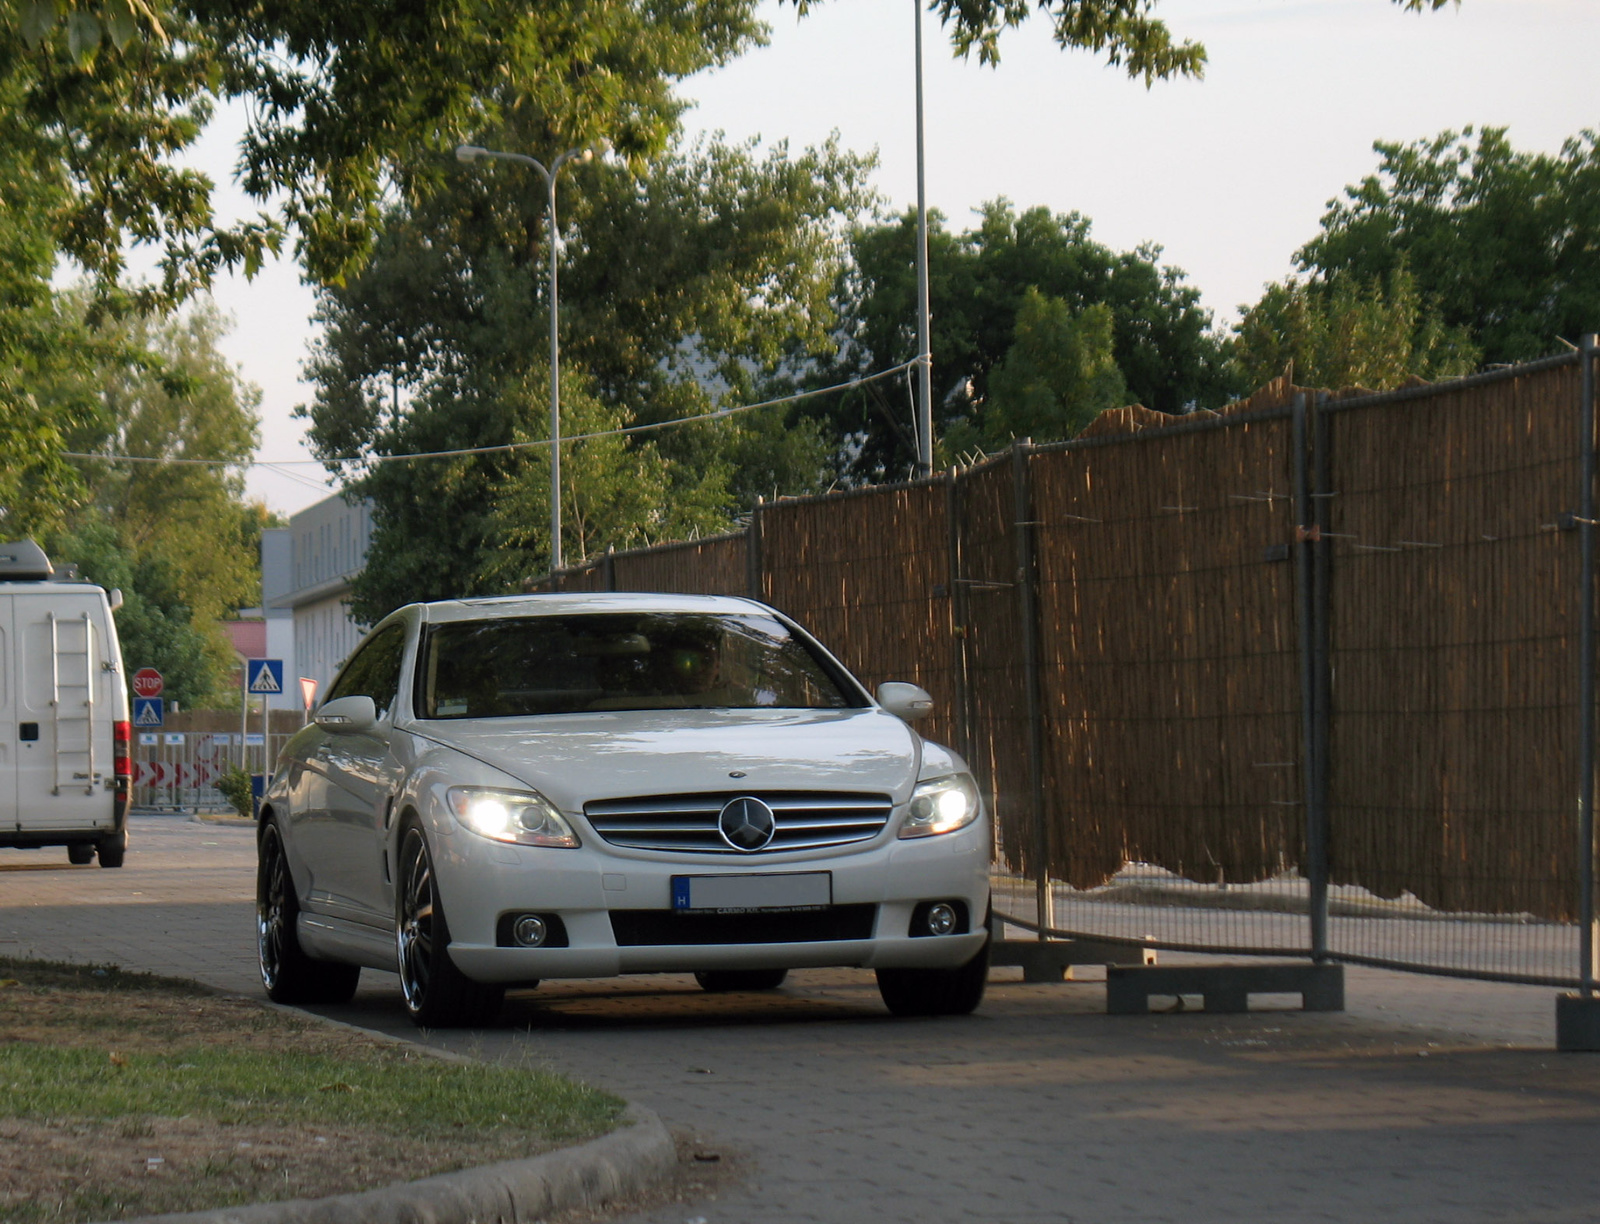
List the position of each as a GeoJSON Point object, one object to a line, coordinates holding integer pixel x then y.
{"type": "Point", "coordinates": [1578, 1023]}
{"type": "Point", "coordinates": [1226, 988]}
{"type": "Point", "coordinates": [631, 1158]}
{"type": "Point", "coordinates": [1051, 960]}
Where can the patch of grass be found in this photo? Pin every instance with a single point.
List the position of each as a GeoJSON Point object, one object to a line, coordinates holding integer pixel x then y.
{"type": "Point", "coordinates": [126, 1094]}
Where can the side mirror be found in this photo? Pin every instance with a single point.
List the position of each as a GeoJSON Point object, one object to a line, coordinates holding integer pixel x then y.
{"type": "Point", "coordinates": [114, 598]}
{"type": "Point", "coordinates": [907, 701]}
{"type": "Point", "coordinates": [348, 715]}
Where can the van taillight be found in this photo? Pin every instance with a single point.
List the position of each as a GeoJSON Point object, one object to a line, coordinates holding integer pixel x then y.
{"type": "Point", "coordinates": [121, 739]}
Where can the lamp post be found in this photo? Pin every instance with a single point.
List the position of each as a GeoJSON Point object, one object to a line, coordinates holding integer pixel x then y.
{"type": "Point", "coordinates": [471, 153]}
{"type": "Point", "coordinates": [924, 339]}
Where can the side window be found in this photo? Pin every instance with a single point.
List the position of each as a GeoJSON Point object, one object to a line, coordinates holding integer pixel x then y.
{"type": "Point", "coordinates": [374, 671]}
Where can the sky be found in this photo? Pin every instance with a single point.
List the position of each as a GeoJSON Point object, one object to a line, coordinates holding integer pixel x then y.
{"type": "Point", "coordinates": [1229, 175]}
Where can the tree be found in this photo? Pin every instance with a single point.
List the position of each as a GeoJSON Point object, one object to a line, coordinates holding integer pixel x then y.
{"type": "Point", "coordinates": [1348, 334]}
{"type": "Point", "coordinates": [707, 278]}
{"type": "Point", "coordinates": [175, 536]}
{"type": "Point", "coordinates": [1126, 32]}
{"type": "Point", "coordinates": [1501, 244]}
{"type": "Point", "coordinates": [1059, 374]}
{"type": "Point", "coordinates": [1161, 339]}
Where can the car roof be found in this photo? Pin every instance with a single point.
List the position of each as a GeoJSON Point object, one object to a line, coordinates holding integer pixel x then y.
{"type": "Point", "coordinates": [575, 602]}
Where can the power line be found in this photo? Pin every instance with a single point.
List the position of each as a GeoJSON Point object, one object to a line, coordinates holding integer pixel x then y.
{"type": "Point", "coordinates": [504, 447]}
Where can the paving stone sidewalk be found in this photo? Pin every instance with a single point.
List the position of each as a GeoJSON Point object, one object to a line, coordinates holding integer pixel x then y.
{"type": "Point", "coordinates": [1429, 1099]}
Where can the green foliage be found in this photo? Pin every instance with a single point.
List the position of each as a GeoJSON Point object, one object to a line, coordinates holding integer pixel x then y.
{"type": "Point", "coordinates": [712, 270]}
{"type": "Point", "coordinates": [176, 538]}
{"type": "Point", "coordinates": [342, 116]}
{"type": "Point", "coordinates": [1059, 374]}
{"type": "Point", "coordinates": [234, 786]}
{"type": "Point", "coordinates": [1503, 245]}
{"type": "Point", "coordinates": [1125, 32]}
{"type": "Point", "coordinates": [1348, 334]}
{"type": "Point", "coordinates": [1161, 339]}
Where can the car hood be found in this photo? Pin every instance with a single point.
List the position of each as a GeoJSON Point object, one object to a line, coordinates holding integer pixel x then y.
{"type": "Point", "coordinates": [572, 759]}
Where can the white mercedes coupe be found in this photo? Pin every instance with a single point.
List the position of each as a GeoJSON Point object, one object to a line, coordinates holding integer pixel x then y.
{"type": "Point", "coordinates": [502, 790]}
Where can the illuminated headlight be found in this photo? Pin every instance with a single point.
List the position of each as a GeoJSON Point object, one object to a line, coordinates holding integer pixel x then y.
{"type": "Point", "coordinates": [524, 817]}
{"type": "Point", "coordinates": [941, 805]}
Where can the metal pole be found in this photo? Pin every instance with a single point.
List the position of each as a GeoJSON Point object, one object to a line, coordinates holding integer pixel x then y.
{"type": "Point", "coordinates": [1586, 680]}
{"type": "Point", "coordinates": [555, 379]}
{"type": "Point", "coordinates": [924, 338]}
{"type": "Point", "coordinates": [752, 554]}
{"type": "Point", "coordinates": [955, 592]}
{"type": "Point", "coordinates": [1322, 672]}
{"type": "Point", "coordinates": [1028, 606]}
{"type": "Point", "coordinates": [1306, 534]}
{"type": "Point", "coordinates": [244, 714]}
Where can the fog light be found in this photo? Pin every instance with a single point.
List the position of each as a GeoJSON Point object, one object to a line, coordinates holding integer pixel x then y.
{"type": "Point", "coordinates": [529, 930]}
{"type": "Point", "coordinates": [941, 919]}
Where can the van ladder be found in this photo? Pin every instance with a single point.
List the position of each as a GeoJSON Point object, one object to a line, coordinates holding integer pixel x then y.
{"type": "Point", "coordinates": [74, 696]}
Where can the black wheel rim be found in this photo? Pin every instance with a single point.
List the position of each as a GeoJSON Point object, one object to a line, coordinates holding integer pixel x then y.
{"type": "Point", "coordinates": [416, 927]}
{"type": "Point", "coordinates": [272, 903]}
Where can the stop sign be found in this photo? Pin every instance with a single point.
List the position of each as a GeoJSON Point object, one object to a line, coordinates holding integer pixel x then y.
{"type": "Point", "coordinates": [147, 682]}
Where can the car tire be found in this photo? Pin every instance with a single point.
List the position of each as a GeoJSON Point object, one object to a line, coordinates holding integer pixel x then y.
{"type": "Point", "coordinates": [289, 975]}
{"type": "Point", "coordinates": [112, 850]}
{"type": "Point", "coordinates": [80, 854]}
{"type": "Point", "coordinates": [720, 981]}
{"type": "Point", "coordinates": [436, 993]}
{"type": "Point", "coordinates": [936, 992]}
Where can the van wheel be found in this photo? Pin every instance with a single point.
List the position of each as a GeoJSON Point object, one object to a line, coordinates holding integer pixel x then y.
{"type": "Point", "coordinates": [112, 850]}
{"type": "Point", "coordinates": [720, 981]}
{"type": "Point", "coordinates": [289, 975]}
{"type": "Point", "coordinates": [936, 992]}
{"type": "Point", "coordinates": [80, 854]}
{"type": "Point", "coordinates": [436, 993]}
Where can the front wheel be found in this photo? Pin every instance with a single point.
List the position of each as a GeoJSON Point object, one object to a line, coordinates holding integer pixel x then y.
{"type": "Point", "coordinates": [936, 992]}
{"type": "Point", "coordinates": [720, 981]}
{"type": "Point", "coordinates": [289, 975]}
{"type": "Point", "coordinates": [437, 994]}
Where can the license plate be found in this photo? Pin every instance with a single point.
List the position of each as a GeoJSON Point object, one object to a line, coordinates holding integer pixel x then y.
{"type": "Point", "coordinates": [799, 890]}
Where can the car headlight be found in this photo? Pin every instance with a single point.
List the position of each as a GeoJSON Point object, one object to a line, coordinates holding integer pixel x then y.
{"type": "Point", "coordinates": [524, 817]}
{"type": "Point", "coordinates": [942, 805]}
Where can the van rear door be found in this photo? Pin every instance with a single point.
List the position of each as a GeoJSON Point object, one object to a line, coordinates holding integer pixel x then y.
{"type": "Point", "coordinates": [61, 698]}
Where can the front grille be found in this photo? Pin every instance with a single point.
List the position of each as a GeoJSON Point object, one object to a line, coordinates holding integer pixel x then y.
{"type": "Point", "coordinates": [665, 928]}
{"type": "Point", "coordinates": [806, 820]}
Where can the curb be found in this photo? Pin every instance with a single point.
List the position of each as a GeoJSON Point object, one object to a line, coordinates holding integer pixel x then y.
{"type": "Point", "coordinates": [633, 1157]}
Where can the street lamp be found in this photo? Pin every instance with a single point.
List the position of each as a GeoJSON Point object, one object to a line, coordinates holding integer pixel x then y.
{"type": "Point", "coordinates": [471, 153]}
{"type": "Point", "coordinates": [924, 338]}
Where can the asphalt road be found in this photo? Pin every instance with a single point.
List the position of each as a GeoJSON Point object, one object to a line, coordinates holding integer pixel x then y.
{"type": "Point", "coordinates": [1429, 1099]}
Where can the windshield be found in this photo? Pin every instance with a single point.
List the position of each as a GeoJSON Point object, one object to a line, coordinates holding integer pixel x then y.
{"type": "Point", "coordinates": [621, 661]}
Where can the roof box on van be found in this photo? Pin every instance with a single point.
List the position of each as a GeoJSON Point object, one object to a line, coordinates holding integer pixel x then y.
{"type": "Point", "coordinates": [24, 561]}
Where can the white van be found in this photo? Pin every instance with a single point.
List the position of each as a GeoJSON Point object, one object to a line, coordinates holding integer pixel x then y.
{"type": "Point", "coordinates": [64, 726]}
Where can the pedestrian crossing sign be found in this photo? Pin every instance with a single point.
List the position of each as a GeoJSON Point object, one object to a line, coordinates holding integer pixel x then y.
{"type": "Point", "coordinates": [149, 711]}
{"type": "Point", "coordinates": [264, 676]}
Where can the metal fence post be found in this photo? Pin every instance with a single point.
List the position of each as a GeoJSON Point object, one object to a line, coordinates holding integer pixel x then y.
{"type": "Point", "coordinates": [956, 592]}
{"type": "Point", "coordinates": [1586, 680]}
{"type": "Point", "coordinates": [1310, 595]}
{"type": "Point", "coordinates": [752, 553]}
{"type": "Point", "coordinates": [1027, 605]}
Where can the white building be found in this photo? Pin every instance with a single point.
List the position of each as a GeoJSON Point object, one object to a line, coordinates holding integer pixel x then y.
{"type": "Point", "coordinates": [306, 572]}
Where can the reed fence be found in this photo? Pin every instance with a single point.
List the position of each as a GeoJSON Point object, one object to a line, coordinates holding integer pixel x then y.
{"type": "Point", "coordinates": [1306, 675]}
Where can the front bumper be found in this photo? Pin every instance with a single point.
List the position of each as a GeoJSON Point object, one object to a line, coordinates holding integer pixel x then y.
{"type": "Point", "coordinates": [882, 883]}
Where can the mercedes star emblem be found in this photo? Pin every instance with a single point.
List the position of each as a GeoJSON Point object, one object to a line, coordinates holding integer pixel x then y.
{"type": "Point", "coordinates": [747, 824]}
